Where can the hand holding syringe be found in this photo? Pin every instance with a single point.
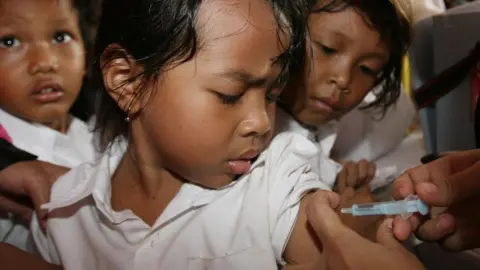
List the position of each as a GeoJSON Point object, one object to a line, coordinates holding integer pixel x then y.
{"type": "Point", "coordinates": [411, 204]}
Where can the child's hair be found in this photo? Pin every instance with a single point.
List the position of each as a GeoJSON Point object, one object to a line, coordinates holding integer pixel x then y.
{"type": "Point", "coordinates": [87, 19]}
{"type": "Point", "coordinates": [395, 31]}
{"type": "Point", "coordinates": [157, 34]}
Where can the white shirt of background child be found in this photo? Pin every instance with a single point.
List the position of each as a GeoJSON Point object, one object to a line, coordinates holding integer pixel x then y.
{"type": "Point", "coordinates": [68, 150]}
{"type": "Point", "coordinates": [356, 136]}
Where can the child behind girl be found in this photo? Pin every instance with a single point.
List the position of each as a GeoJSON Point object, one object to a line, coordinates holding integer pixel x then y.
{"type": "Point", "coordinates": [355, 46]}
{"type": "Point", "coordinates": [42, 68]}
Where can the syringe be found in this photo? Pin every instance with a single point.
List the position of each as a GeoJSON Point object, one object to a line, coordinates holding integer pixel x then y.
{"type": "Point", "coordinates": [405, 208]}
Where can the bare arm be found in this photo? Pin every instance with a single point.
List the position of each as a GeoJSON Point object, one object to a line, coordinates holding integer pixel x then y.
{"type": "Point", "coordinates": [304, 248]}
{"type": "Point", "coordinates": [14, 258]}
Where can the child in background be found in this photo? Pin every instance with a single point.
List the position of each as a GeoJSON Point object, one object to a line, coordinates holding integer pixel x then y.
{"type": "Point", "coordinates": [192, 87]}
{"type": "Point", "coordinates": [355, 48]}
{"type": "Point", "coordinates": [42, 69]}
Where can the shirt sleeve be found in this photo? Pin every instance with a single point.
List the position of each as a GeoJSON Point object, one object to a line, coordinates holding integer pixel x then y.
{"type": "Point", "coordinates": [289, 164]}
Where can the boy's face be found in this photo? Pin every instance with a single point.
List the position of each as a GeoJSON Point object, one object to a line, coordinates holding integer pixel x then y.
{"type": "Point", "coordinates": [344, 61]}
{"type": "Point", "coordinates": [212, 115]}
{"type": "Point", "coordinates": [42, 59]}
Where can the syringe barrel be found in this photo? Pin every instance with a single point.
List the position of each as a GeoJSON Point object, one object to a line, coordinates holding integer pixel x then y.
{"type": "Point", "coordinates": [389, 208]}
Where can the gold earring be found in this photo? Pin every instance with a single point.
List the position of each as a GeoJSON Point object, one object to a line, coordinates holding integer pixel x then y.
{"type": "Point", "coordinates": [127, 118]}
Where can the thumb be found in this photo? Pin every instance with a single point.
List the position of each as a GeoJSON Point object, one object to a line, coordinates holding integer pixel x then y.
{"type": "Point", "coordinates": [385, 235]}
{"type": "Point", "coordinates": [322, 216]}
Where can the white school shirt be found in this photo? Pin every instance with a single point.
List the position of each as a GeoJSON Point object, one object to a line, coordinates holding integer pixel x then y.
{"type": "Point", "coordinates": [361, 135]}
{"type": "Point", "coordinates": [51, 146]}
{"type": "Point", "coordinates": [356, 136]}
{"type": "Point", "coordinates": [245, 225]}
{"type": "Point", "coordinates": [323, 140]}
{"type": "Point", "coordinates": [68, 150]}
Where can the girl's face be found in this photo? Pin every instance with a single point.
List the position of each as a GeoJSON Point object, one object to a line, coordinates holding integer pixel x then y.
{"type": "Point", "coordinates": [209, 117]}
{"type": "Point", "coordinates": [42, 59]}
{"type": "Point", "coordinates": [343, 62]}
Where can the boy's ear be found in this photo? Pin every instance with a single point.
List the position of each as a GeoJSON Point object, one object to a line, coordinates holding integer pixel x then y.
{"type": "Point", "coordinates": [118, 69]}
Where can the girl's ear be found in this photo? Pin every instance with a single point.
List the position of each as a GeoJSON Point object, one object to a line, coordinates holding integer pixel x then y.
{"type": "Point", "coordinates": [119, 72]}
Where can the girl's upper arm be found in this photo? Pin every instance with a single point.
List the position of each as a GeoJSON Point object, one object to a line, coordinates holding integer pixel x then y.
{"type": "Point", "coordinates": [303, 247]}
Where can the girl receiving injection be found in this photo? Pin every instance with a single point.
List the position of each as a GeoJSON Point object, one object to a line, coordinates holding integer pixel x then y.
{"type": "Point", "coordinates": [192, 86]}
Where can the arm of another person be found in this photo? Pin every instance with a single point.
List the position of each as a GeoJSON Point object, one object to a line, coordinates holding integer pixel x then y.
{"type": "Point", "coordinates": [24, 179]}
{"type": "Point", "coordinates": [14, 258]}
{"type": "Point", "coordinates": [378, 137]}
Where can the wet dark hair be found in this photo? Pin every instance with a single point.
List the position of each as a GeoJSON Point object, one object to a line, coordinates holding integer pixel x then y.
{"type": "Point", "coordinates": [87, 10]}
{"type": "Point", "coordinates": [157, 34]}
{"type": "Point", "coordinates": [395, 31]}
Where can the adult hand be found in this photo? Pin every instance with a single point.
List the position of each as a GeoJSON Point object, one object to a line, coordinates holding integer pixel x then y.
{"type": "Point", "coordinates": [24, 183]}
{"type": "Point", "coordinates": [452, 182]}
{"type": "Point", "coordinates": [345, 249]}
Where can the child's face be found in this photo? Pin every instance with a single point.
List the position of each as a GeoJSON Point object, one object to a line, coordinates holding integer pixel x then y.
{"type": "Point", "coordinates": [209, 117]}
{"type": "Point", "coordinates": [42, 59]}
{"type": "Point", "coordinates": [345, 59]}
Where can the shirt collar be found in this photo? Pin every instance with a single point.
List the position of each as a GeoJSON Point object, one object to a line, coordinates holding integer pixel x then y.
{"type": "Point", "coordinates": [286, 122]}
{"type": "Point", "coordinates": [22, 133]}
{"type": "Point", "coordinates": [84, 181]}
{"type": "Point", "coordinates": [96, 182]}
{"type": "Point", "coordinates": [327, 135]}
{"type": "Point", "coordinates": [43, 141]}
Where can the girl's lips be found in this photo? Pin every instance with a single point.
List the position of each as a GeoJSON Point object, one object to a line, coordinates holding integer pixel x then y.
{"type": "Point", "coordinates": [47, 91]}
{"type": "Point", "coordinates": [48, 96]}
{"type": "Point", "coordinates": [240, 166]}
{"type": "Point", "coordinates": [322, 106]}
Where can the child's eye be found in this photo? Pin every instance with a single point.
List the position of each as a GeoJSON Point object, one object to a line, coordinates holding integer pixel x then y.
{"type": "Point", "coordinates": [327, 50]}
{"type": "Point", "coordinates": [368, 71]}
{"type": "Point", "coordinates": [9, 42]}
{"type": "Point", "coordinates": [229, 99]}
{"type": "Point", "coordinates": [61, 37]}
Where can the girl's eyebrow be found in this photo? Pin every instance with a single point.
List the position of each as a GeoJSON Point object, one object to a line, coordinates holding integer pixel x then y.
{"type": "Point", "coordinates": [375, 55]}
{"type": "Point", "coordinates": [243, 77]}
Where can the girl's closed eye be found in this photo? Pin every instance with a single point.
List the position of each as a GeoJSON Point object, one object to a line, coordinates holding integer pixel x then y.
{"type": "Point", "coordinates": [8, 42]}
{"type": "Point", "coordinates": [326, 49]}
{"type": "Point", "coordinates": [229, 99]}
{"type": "Point", "coordinates": [369, 71]}
{"type": "Point", "coordinates": [61, 37]}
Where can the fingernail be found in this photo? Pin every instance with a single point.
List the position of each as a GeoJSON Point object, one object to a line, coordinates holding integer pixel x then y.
{"type": "Point", "coordinates": [429, 188]}
{"type": "Point", "coordinates": [390, 223]}
{"type": "Point", "coordinates": [404, 191]}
